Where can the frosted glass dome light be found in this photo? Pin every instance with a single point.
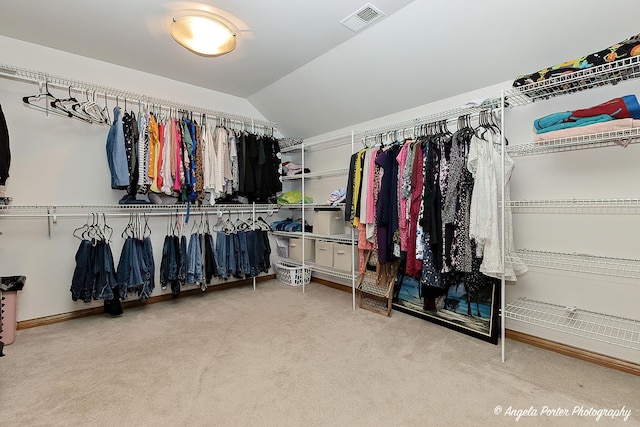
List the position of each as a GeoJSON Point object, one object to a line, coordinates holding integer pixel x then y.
{"type": "Point", "coordinates": [203, 34]}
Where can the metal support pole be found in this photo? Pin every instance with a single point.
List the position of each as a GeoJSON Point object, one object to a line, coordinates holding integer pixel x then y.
{"type": "Point", "coordinates": [353, 251]}
{"type": "Point", "coordinates": [303, 217]}
{"type": "Point", "coordinates": [502, 214]}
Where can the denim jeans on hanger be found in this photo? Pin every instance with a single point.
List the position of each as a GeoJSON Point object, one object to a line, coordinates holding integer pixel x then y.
{"type": "Point", "coordinates": [231, 254]}
{"type": "Point", "coordinates": [221, 254]}
{"type": "Point", "coordinates": [243, 254]}
{"type": "Point", "coordinates": [107, 277]}
{"type": "Point", "coordinates": [266, 251]}
{"type": "Point", "coordinates": [194, 263]}
{"type": "Point", "coordinates": [182, 264]}
{"type": "Point", "coordinates": [81, 283]}
{"type": "Point", "coordinates": [252, 250]}
{"type": "Point", "coordinates": [129, 273]}
{"type": "Point", "coordinates": [210, 267]}
{"type": "Point", "coordinates": [149, 270]}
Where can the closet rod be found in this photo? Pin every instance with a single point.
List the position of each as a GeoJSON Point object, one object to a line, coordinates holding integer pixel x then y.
{"type": "Point", "coordinates": [33, 76]}
{"type": "Point", "coordinates": [137, 208]}
{"type": "Point", "coordinates": [448, 115]}
{"type": "Point", "coordinates": [115, 214]}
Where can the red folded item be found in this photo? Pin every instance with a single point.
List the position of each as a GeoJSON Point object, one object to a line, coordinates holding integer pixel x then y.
{"type": "Point", "coordinates": [618, 108]}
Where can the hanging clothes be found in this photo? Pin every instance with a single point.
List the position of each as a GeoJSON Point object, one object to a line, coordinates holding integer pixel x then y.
{"type": "Point", "coordinates": [94, 276]}
{"type": "Point", "coordinates": [485, 163]}
{"type": "Point", "coordinates": [136, 267]}
{"type": "Point", "coordinates": [436, 200]}
{"type": "Point", "coordinates": [116, 153]}
{"type": "Point", "coordinates": [155, 159]}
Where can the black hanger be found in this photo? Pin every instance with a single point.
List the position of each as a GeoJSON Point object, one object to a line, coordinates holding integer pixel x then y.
{"type": "Point", "coordinates": [46, 97]}
{"type": "Point", "coordinates": [263, 224]}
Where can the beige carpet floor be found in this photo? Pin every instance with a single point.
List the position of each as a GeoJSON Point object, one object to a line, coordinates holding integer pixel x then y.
{"type": "Point", "coordinates": [277, 357]}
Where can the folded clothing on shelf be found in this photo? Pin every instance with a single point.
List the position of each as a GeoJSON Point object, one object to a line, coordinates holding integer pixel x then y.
{"type": "Point", "coordinates": [624, 49]}
{"type": "Point", "coordinates": [291, 225]}
{"type": "Point", "coordinates": [609, 126]}
{"type": "Point", "coordinates": [617, 108]}
{"type": "Point", "coordinates": [290, 168]}
{"type": "Point", "coordinates": [337, 196]}
{"type": "Point", "coordinates": [293, 197]}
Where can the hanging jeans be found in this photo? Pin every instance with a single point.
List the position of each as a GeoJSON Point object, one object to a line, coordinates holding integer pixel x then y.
{"type": "Point", "coordinates": [130, 267]}
{"type": "Point", "coordinates": [149, 270]}
{"type": "Point", "coordinates": [266, 251]}
{"type": "Point", "coordinates": [194, 263]}
{"type": "Point", "coordinates": [231, 255]}
{"type": "Point", "coordinates": [210, 265]}
{"type": "Point", "coordinates": [252, 250]}
{"type": "Point", "coordinates": [221, 254]}
{"type": "Point", "coordinates": [82, 281]}
{"type": "Point", "coordinates": [170, 264]}
{"type": "Point", "coordinates": [243, 254]}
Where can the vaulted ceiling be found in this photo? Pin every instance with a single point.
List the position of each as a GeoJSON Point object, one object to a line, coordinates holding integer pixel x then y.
{"type": "Point", "coordinates": [302, 69]}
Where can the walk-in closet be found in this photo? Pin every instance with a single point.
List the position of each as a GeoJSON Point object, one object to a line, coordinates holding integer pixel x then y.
{"type": "Point", "coordinates": [338, 213]}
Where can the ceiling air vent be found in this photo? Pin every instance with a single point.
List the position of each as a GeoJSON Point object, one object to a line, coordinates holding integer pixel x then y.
{"type": "Point", "coordinates": [363, 17]}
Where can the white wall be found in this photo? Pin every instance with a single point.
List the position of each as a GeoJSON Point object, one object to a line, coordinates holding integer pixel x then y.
{"type": "Point", "coordinates": [62, 161]}
{"type": "Point", "coordinates": [598, 173]}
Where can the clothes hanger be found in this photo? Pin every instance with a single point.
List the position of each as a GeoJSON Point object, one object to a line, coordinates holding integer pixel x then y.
{"type": "Point", "coordinates": [127, 228]}
{"type": "Point", "coordinates": [83, 228]}
{"type": "Point", "coordinates": [46, 97]}
{"type": "Point", "coordinates": [146, 227]}
{"type": "Point", "coordinates": [264, 225]}
{"type": "Point", "coordinates": [90, 108]}
{"type": "Point", "coordinates": [107, 231]}
{"type": "Point", "coordinates": [69, 105]}
{"type": "Point", "coordinates": [87, 108]}
{"type": "Point", "coordinates": [229, 228]}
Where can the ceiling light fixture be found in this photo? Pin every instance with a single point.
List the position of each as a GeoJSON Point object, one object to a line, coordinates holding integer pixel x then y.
{"type": "Point", "coordinates": [203, 34]}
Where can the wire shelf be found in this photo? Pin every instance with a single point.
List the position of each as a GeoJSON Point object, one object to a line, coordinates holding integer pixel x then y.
{"type": "Point", "coordinates": [324, 143]}
{"type": "Point", "coordinates": [588, 78]}
{"type": "Point", "coordinates": [291, 148]}
{"type": "Point", "coordinates": [322, 174]}
{"type": "Point", "coordinates": [600, 327]}
{"type": "Point", "coordinates": [330, 141]}
{"type": "Point", "coordinates": [344, 238]}
{"type": "Point", "coordinates": [627, 203]}
{"type": "Point", "coordinates": [608, 266]}
{"type": "Point", "coordinates": [79, 210]}
{"type": "Point", "coordinates": [310, 206]}
{"type": "Point", "coordinates": [582, 142]}
{"type": "Point", "coordinates": [313, 267]}
{"type": "Point", "coordinates": [328, 271]}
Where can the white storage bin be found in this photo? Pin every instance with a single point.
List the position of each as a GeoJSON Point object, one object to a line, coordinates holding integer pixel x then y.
{"type": "Point", "coordinates": [295, 249]}
{"type": "Point", "coordinates": [282, 246]}
{"type": "Point", "coordinates": [328, 223]}
{"type": "Point", "coordinates": [342, 257]}
{"type": "Point", "coordinates": [324, 253]}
